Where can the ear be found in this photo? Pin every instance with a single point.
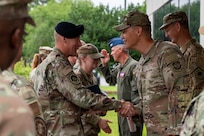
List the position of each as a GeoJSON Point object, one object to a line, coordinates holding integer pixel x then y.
{"type": "Point", "coordinates": [178, 26]}
{"type": "Point", "coordinates": [138, 30]}
{"type": "Point", "coordinates": [16, 38]}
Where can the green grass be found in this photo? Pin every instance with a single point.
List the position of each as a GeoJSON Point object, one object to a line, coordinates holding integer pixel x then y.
{"type": "Point", "coordinates": [109, 88]}
{"type": "Point", "coordinates": [112, 116]}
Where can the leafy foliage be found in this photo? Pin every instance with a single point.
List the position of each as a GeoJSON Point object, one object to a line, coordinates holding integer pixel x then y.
{"type": "Point", "coordinates": [98, 22]}
{"type": "Point", "coordinates": [20, 69]}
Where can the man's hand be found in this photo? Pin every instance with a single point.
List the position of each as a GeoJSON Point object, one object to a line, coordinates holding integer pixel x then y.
{"type": "Point", "coordinates": [127, 109]}
{"type": "Point", "coordinates": [103, 124]}
{"type": "Point", "coordinates": [106, 58]}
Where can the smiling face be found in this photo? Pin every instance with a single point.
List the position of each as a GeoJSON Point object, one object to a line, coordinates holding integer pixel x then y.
{"type": "Point", "coordinates": [171, 31]}
{"type": "Point", "coordinates": [130, 37]}
{"type": "Point", "coordinates": [115, 52]}
{"type": "Point", "coordinates": [71, 45]}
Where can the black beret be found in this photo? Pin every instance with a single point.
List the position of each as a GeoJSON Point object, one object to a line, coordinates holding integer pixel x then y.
{"type": "Point", "coordinates": [69, 30]}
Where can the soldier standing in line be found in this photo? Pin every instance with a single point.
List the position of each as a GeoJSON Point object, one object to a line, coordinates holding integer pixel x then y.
{"type": "Point", "coordinates": [160, 77]}
{"type": "Point", "coordinates": [89, 58]}
{"type": "Point", "coordinates": [193, 119]}
{"type": "Point", "coordinates": [16, 117]}
{"type": "Point", "coordinates": [60, 91]}
{"type": "Point", "coordinates": [123, 74]}
{"type": "Point", "coordinates": [176, 28]}
{"type": "Point", "coordinates": [38, 58]}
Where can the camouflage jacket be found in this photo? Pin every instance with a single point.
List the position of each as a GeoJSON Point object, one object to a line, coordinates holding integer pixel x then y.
{"type": "Point", "coordinates": [16, 116]}
{"type": "Point", "coordinates": [161, 84]}
{"type": "Point", "coordinates": [62, 96]}
{"type": "Point", "coordinates": [26, 91]}
{"type": "Point", "coordinates": [193, 120]}
{"type": "Point", "coordinates": [194, 56]}
{"type": "Point", "coordinates": [89, 121]}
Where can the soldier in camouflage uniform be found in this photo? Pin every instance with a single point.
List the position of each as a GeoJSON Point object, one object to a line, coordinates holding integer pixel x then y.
{"type": "Point", "coordinates": [89, 57]}
{"type": "Point", "coordinates": [60, 91]}
{"type": "Point", "coordinates": [177, 29]}
{"type": "Point", "coordinates": [16, 116]}
{"type": "Point", "coordinates": [160, 76]}
{"type": "Point", "coordinates": [123, 75]}
{"type": "Point", "coordinates": [38, 58]}
{"type": "Point", "coordinates": [193, 119]}
{"type": "Point", "coordinates": [25, 89]}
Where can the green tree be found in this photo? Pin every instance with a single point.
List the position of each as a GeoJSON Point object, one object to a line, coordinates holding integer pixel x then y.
{"type": "Point", "coordinates": [98, 22]}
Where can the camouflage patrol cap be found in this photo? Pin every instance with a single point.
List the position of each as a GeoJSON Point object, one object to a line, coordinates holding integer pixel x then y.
{"type": "Point", "coordinates": [45, 50]}
{"type": "Point", "coordinates": [90, 50]}
{"type": "Point", "coordinates": [15, 9]}
{"type": "Point", "coordinates": [134, 18]}
{"type": "Point", "coordinates": [201, 30]}
{"type": "Point", "coordinates": [170, 18]}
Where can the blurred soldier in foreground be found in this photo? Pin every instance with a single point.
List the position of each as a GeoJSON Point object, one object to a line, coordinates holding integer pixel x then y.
{"type": "Point", "coordinates": [89, 58]}
{"type": "Point", "coordinates": [26, 91]}
{"type": "Point", "coordinates": [177, 29]}
{"type": "Point", "coordinates": [59, 89]}
{"type": "Point", "coordinates": [159, 76]}
{"type": "Point", "coordinates": [16, 117]}
{"type": "Point", "coordinates": [193, 119]}
{"type": "Point", "coordinates": [123, 75]}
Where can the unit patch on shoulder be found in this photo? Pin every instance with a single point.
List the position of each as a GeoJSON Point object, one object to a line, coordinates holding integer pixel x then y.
{"type": "Point", "coordinates": [177, 65]}
{"type": "Point", "coordinates": [40, 125]}
{"type": "Point", "coordinates": [73, 78]}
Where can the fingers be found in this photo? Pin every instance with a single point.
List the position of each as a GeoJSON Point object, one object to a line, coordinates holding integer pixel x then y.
{"type": "Point", "coordinates": [103, 124]}
{"type": "Point", "coordinates": [104, 52]}
{"type": "Point", "coordinates": [127, 109]}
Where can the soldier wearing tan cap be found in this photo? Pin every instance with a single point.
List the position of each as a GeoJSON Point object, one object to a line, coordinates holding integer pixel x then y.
{"type": "Point", "coordinates": [38, 58]}
{"type": "Point", "coordinates": [176, 28]}
{"type": "Point", "coordinates": [193, 119]}
{"type": "Point", "coordinates": [89, 57]}
{"type": "Point", "coordinates": [159, 76]}
{"type": "Point", "coordinates": [16, 117]}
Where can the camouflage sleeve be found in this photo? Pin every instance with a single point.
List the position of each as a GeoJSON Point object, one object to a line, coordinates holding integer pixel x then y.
{"type": "Point", "coordinates": [134, 93]}
{"type": "Point", "coordinates": [67, 82]}
{"type": "Point", "coordinates": [16, 117]}
{"type": "Point", "coordinates": [110, 76]}
{"type": "Point", "coordinates": [200, 116]}
{"type": "Point", "coordinates": [91, 118]}
{"type": "Point", "coordinates": [172, 67]}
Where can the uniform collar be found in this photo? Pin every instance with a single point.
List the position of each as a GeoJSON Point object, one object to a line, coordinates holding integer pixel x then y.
{"type": "Point", "coordinates": [185, 47]}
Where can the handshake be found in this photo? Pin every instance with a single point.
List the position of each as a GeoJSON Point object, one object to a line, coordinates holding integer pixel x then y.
{"type": "Point", "coordinates": [127, 109]}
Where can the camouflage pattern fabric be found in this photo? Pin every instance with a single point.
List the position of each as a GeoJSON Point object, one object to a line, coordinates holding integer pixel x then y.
{"type": "Point", "coordinates": [62, 96]}
{"type": "Point", "coordinates": [126, 89]}
{"type": "Point", "coordinates": [194, 56]}
{"type": "Point", "coordinates": [193, 120]}
{"type": "Point", "coordinates": [161, 83]}
{"type": "Point", "coordinates": [25, 90]}
{"type": "Point", "coordinates": [16, 117]}
{"type": "Point", "coordinates": [89, 121]}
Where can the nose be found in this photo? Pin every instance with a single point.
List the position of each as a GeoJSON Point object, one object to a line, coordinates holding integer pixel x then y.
{"type": "Point", "coordinates": [122, 36]}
